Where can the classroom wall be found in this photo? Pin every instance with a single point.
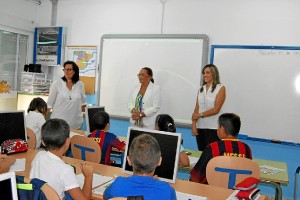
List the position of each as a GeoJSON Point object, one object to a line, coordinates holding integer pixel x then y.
{"type": "Point", "coordinates": [256, 22]}
{"type": "Point", "coordinates": [241, 22]}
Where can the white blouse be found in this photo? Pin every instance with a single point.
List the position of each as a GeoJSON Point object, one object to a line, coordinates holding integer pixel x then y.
{"type": "Point", "coordinates": [66, 104]}
{"type": "Point", "coordinates": [206, 100]}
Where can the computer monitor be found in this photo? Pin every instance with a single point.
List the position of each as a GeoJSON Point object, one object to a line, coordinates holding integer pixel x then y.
{"type": "Point", "coordinates": [9, 185]}
{"type": "Point", "coordinates": [170, 148]}
{"type": "Point", "coordinates": [12, 125]}
{"type": "Point", "coordinates": [89, 114]}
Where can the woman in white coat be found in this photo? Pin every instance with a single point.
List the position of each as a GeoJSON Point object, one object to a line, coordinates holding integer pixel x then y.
{"type": "Point", "coordinates": [144, 100]}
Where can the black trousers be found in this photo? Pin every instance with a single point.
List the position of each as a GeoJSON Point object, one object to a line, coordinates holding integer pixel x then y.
{"type": "Point", "coordinates": [205, 137]}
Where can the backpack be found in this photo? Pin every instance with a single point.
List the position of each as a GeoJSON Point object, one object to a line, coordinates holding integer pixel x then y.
{"type": "Point", "coordinates": [30, 191]}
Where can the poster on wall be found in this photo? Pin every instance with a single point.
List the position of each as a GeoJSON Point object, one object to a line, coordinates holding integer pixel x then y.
{"type": "Point", "coordinates": [48, 45]}
{"type": "Point", "coordinates": [86, 59]}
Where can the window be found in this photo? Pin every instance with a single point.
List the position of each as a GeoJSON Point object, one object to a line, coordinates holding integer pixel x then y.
{"type": "Point", "coordinates": [13, 54]}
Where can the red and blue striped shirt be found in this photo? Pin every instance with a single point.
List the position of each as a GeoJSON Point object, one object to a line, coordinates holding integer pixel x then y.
{"type": "Point", "coordinates": [106, 141]}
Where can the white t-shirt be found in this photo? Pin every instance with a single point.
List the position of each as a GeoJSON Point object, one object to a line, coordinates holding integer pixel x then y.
{"type": "Point", "coordinates": [51, 169]}
{"type": "Point", "coordinates": [35, 120]}
{"type": "Point", "coordinates": [206, 100]}
{"type": "Point", "coordinates": [66, 104]}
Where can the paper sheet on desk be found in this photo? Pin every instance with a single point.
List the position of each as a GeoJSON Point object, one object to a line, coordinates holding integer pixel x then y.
{"type": "Point", "coordinates": [97, 180]}
{"type": "Point", "coordinates": [100, 190]}
{"type": "Point", "coordinates": [18, 166]}
{"type": "Point", "coordinates": [270, 170]}
{"type": "Point", "coordinates": [185, 196]}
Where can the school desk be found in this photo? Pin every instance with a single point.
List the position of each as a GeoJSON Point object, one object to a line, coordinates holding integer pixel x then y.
{"type": "Point", "coordinates": [267, 179]}
{"type": "Point", "coordinates": [211, 192]}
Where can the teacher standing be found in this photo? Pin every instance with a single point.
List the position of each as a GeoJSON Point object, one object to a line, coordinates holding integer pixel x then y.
{"type": "Point", "coordinates": [67, 97]}
{"type": "Point", "coordinates": [210, 99]}
{"type": "Point", "coordinates": [144, 100]}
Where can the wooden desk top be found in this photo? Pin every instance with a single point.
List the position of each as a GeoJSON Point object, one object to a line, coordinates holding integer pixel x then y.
{"type": "Point", "coordinates": [211, 192]}
{"type": "Point", "coordinates": [281, 177]}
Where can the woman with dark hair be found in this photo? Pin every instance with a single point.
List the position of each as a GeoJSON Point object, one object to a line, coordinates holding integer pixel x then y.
{"type": "Point", "coordinates": [166, 123]}
{"type": "Point", "coordinates": [144, 100]}
{"type": "Point", "coordinates": [210, 99]}
{"type": "Point", "coordinates": [67, 97]}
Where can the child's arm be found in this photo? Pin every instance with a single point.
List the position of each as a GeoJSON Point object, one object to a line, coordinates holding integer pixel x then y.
{"type": "Point", "coordinates": [118, 144]}
{"type": "Point", "coordinates": [77, 194]}
{"type": "Point", "coordinates": [184, 160]}
{"type": "Point", "coordinates": [5, 163]}
{"type": "Point", "coordinates": [87, 171]}
{"type": "Point", "coordinates": [86, 192]}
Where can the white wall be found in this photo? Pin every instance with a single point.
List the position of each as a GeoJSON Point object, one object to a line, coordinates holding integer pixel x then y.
{"type": "Point", "coordinates": [19, 16]}
{"type": "Point", "coordinates": [244, 22]}
{"type": "Point", "coordinates": [255, 22]}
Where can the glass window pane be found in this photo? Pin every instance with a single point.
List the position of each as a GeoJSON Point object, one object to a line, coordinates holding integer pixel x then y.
{"type": "Point", "coordinates": [13, 54]}
{"type": "Point", "coordinates": [8, 55]}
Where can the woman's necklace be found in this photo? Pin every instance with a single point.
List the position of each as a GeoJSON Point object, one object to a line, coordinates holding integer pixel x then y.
{"type": "Point", "coordinates": [69, 86]}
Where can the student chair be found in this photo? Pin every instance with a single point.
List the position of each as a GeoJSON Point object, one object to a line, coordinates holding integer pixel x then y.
{"type": "Point", "coordinates": [227, 171]}
{"type": "Point", "coordinates": [85, 148]}
{"type": "Point", "coordinates": [31, 138]}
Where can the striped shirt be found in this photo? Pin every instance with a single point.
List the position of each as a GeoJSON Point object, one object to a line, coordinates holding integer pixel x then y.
{"type": "Point", "coordinates": [106, 141]}
{"type": "Point", "coordinates": [224, 147]}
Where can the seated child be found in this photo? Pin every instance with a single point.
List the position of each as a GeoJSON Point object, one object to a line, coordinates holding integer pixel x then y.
{"type": "Point", "coordinates": [229, 145]}
{"type": "Point", "coordinates": [35, 118]}
{"type": "Point", "coordinates": [106, 140]}
{"type": "Point", "coordinates": [144, 157]}
{"type": "Point", "coordinates": [166, 123]}
{"type": "Point", "coordinates": [49, 166]}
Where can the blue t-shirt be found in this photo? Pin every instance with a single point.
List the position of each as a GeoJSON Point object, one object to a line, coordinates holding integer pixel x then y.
{"type": "Point", "coordinates": [145, 186]}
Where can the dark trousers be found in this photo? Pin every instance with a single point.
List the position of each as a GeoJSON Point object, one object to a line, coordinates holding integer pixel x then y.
{"type": "Point", "coordinates": [205, 137]}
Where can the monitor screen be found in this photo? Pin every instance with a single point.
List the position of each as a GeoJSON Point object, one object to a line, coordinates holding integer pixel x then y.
{"type": "Point", "coordinates": [8, 184]}
{"type": "Point", "coordinates": [170, 148]}
{"type": "Point", "coordinates": [89, 113]}
{"type": "Point", "coordinates": [12, 125]}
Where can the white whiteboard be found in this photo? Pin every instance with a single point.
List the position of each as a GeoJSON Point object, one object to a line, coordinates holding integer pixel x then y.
{"type": "Point", "coordinates": [176, 61]}
{"type": "Point", "coordinates": [261, 87]}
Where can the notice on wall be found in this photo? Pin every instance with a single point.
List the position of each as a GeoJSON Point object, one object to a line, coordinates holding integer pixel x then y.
{"type": "Point", "coordinates": [86, 59]}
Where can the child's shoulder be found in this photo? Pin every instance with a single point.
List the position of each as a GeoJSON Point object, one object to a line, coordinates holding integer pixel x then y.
{"type": "Point", "coordinates": [111, 134]}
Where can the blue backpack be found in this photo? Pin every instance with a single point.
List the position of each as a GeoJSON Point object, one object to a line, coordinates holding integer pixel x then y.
{"type": "Point", "coordinates": [30, 191]}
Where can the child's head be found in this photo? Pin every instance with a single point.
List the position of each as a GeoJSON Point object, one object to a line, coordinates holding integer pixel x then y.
{"type": "Point", "coordinates": [144, 154]}
{"type": "Point", "coordinates": [55, 133]}
{"type": "Point", "coordinates": [165, 122]}
{"type": "Point", "coordinates": [100, 120]}
{"type": "Point", "coordinates": [229, 125]}
{"type": "Point", "coordinates": [38, 104]}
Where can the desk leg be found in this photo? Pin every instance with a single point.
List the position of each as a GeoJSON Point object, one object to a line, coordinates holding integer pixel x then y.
{"type": "Point", "coordinates": [278, 190]}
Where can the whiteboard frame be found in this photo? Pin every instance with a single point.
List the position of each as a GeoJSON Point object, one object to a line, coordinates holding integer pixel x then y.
{"type": "Point", "coordinates": [153, 36]}
{"type": "Point", "coordinates": [255, 47]}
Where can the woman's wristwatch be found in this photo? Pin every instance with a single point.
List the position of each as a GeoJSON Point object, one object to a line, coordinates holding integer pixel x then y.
{"type": "Point", "coordinates": [141, 115]}
{"type": "Point", "coordinates": [201, 115]}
